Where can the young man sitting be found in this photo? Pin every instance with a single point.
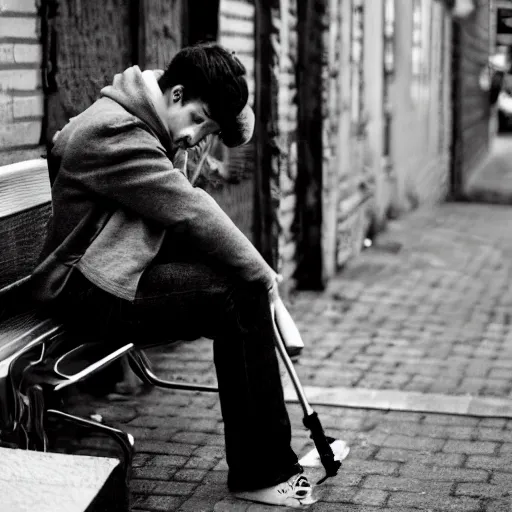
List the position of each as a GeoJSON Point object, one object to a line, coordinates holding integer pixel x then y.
{"type": "Point", "coordinates": [134, 250]}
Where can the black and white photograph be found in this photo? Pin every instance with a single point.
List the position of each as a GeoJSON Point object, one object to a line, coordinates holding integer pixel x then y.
{"type": "Point", "coordinates": [255, 255]}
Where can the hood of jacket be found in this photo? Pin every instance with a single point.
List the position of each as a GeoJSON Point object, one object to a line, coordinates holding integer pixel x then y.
{"type": "Point", "coordinates": [138, 93]}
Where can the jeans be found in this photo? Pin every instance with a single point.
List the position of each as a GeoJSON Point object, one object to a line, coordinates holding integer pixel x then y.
{"type": "Point", "coordinates": [184, 301]}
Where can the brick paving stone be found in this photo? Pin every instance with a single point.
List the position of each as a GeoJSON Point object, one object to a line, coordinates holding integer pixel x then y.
{"type": "Point", "coordinates": [414, 443]}
{"type": "Point", "coordinates": [141, 460]}
{"type": "Point", "coordinates": [151, 422]}
{"type": "Point", "coordinates": [190, 437]}
{"type": "Point", "coordinates": [437, 459]}
{"type": "Point", "coordinates": [443, 431]}
{"type": "Point", "coordinates": [370, 467]}
{"type": "Point", "coordinates": [494, 434]}
{"type": "Point", "coordinates": [209, 452]}
{"type": "Point", "coordinates": [375, 497]}
{"type": "Point", "coordinates": [162, 434]}
{"type": "Point", "coordinates": [199, 463]}
{"type": "Point", "coordinates": [498, 506]}
{"type": "Point", "coordinates": [503, 463]}
{"type": "Point", "coordinates": [158, 503]}
{"type": "Point", "coordinates": [169, 460]}
{"type": "Point", "coordinates": [189, 475]}
{"type": "Point", "coordinates": [502, 479]}
{"type": "Point", "coordinates": [433, 502]}
{"type": "Point", "coordinates": [459, 421]}
{"type": "Point", "coordinates": [162, 448]}
{"type": "Point", "coordinates": [391, 483]}
{"type": "Point", "coordinates": [154, 473]}
{"type": "Point", "coordinates": [363, 452]}
{"type": "Point", "coordinates": [339, 494]}
{"type": "Point", "coordinates": [470, 447]}
{"type": "Point", "coordinates": [478, 490]}
{"type": "Point", "coordinates": [424, 472]}
{"type": "Point", "coordinates": [159, 487]}
{"type": "Point", "coordinates": [229, 505]}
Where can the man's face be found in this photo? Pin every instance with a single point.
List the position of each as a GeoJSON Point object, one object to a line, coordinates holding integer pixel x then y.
{"type": "Point", "coordinates": [188, 122]}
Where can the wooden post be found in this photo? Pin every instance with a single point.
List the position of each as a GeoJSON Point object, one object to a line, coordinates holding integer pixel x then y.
{"type": "Point", "coordinates": [309, 273]}
{"type": "Point", "coordinates": [159, 32]}
{"type": "Point", "coordinates": [265, 131]}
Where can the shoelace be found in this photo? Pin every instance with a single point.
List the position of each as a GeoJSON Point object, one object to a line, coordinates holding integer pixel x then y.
{"type": "Point", "coordinates": [300, 487]}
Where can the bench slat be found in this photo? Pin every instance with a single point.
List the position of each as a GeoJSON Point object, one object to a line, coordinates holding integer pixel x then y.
{"type": "Point", "coordinates": [21, 239]}
{"type": "Point", "coordinates": [18, 332]}
{"type": "Point", "coordinates": [23, 185]}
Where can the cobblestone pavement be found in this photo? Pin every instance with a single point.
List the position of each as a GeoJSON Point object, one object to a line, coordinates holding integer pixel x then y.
{"type": "Point", "coordinates": [426, 309]}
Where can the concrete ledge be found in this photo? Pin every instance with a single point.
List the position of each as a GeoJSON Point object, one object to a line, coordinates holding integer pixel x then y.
{"type": "Point", "coordinates": [54, 482]}
{"type": "Point", "coordinates": [391, 400]}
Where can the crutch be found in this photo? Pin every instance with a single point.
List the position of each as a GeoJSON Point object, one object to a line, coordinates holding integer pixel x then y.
{"type": "Point", "coordinates": [284, 327]}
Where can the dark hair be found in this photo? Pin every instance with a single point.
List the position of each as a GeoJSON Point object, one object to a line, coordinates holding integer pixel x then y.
{"type": "Point", "coordinates": [209, 73]}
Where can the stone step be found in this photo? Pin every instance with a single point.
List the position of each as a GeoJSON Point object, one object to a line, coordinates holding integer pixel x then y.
{"type": "Point", "coordinates": [53, 482]}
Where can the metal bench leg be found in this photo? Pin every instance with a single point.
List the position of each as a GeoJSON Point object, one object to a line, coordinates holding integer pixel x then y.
{"type": "Point", "coordinates": [35, 432]}
{"type": "Point", "coordinates": [124, 439]}
{"type": "Point", "coordinates": [141, 366]}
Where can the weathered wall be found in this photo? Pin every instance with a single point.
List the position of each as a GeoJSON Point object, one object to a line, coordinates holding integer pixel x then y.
{"type": "Point", "coordinates": [374, 105]}
{"type": "Point", "coordinates": [420, 105]}
{"type": "Point", "coordinates": [332, 104]}
{"type": "Point", "coordinates": [79, 56]}
{"type": "Point", "coordinates": [160, 26]}
{"type": "Point", "coordinates": [355, 177]}
{"type": "Point", "coordinates": [287, 123]}
{"type": "Point", "coordinates": [21, 96]}
{"type": "Point", "coordinates": [471, 104]}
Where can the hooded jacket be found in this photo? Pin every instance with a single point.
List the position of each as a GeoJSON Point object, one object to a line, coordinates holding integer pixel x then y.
{"type": "Point", "coordinates": [116, 195]}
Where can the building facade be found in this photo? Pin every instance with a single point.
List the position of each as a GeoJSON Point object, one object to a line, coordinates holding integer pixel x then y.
{"type": "Point", "coordinates": [365, 109]}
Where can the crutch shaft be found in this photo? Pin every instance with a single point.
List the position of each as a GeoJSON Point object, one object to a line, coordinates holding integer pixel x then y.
{"type": "Point", "coordinates": [281, 348]}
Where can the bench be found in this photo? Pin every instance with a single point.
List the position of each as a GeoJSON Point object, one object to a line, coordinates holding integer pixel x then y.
{"type": "Point", "coordinates": [38, 357]}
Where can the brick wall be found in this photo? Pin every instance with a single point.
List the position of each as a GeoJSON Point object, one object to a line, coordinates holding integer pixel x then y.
{"type": "Point", "coordinates": [21, 97]}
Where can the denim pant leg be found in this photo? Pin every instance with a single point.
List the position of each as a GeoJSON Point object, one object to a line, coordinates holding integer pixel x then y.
{"type": "Point", "coordinates": [256, 423]}
{"type": "Point", "coordinates": [185, 301]}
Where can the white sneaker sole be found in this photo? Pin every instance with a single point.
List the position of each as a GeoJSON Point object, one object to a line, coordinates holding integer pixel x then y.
{"type": "Point", "coordinates": [261, 496]}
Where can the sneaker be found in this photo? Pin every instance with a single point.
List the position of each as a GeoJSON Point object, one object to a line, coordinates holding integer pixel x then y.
{"type": "Point", "coordinates": [295, 492]}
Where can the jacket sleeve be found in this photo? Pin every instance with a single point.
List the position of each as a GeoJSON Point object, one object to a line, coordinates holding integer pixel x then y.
{"type": "Point", "coordinates": [125, 163]}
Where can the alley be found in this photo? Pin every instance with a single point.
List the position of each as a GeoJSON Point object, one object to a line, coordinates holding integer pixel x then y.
{"type": "Point", "coordinates": [426, 309]}
{"type": "Point", "coordinates": [353, 119]}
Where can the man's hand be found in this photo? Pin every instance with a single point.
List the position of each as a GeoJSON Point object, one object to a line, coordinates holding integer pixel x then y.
{"type": "Point", "coordinates": [273, 292]}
